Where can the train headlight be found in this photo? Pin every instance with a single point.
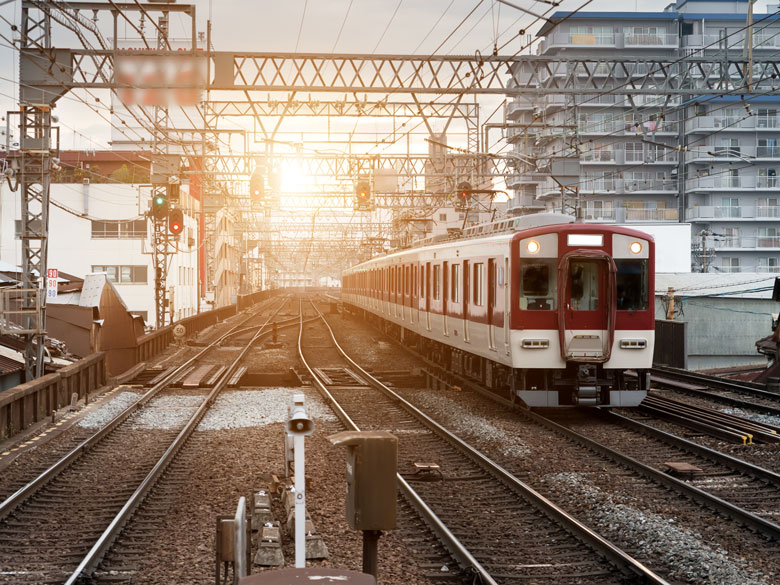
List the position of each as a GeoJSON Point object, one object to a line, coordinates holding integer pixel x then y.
{"type": "Point", "coordinates": [533, 247]}
{"type": "Point", "coordinates": [635, 247]}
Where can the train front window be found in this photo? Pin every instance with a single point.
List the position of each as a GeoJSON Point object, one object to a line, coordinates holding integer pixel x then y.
{"type": "Point", "coordinates": [584, 286]}
{"type": "Point", "coordinates": [538, 285]}
{"type": "Point", "coordinates": [632, 285]}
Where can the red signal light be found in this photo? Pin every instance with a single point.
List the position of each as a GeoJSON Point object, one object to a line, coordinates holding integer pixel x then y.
{"type": "Point", "coordinates": [176, 221]}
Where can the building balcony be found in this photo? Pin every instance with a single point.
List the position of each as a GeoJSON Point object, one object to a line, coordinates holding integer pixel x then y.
{"type": "Point", "coordinates": [749, 243]}
{"type": "Point", "coordinates": [517, 180]}
{"type": "Point", "coordinates": [599, 156]}
{"type": "Point", "coordinates": [662, 214]}
{"type": "Point", "coordinates": [735, 42]}
{"type": "Point", "coordinates": [560, 40]}
{"type": "Point", "coordinates": [766, 182]}
{"type": "Point", "coordinates": [733, 123]}
{"type": "Point", "coordinates": [721, 182]}
{"type": "Point", "coordinates": [768, 152]}
{"type": "Point", "coordinates": [630, 215]}
{"type": "Point", "coordinates": [717, 212]}
{"type": "Point", "coordinates": [651, 41]}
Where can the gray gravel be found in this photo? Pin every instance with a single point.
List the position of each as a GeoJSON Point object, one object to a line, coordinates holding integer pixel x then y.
{"type": "Point", "coordinates": [166, 413]}
{"type": "Point", "coordinates": [257, 408]}
{"type": "Point", "coordinates": [650, 534]}
{"type": "Point", "coordinates": [766, 419]}
{"type": "Point", "coordinates": [105, 413]}
{"type": "Point", "coordinates": [232, 410]}
{"type": "Point", "coordinates": [474, 425]}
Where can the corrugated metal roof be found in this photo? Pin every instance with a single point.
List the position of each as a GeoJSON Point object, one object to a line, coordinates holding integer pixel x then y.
{"type": "Point", "coordinates": [9, 366]}
{"type": "Point", "coordinates": [743, 285]}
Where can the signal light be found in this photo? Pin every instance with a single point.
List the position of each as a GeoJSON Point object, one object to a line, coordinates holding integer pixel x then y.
{"type": "Point", "coordinates": [159, 206]}
{"type": "Point", "coordinates": [463, 195]}
{"type": "Point", "coordinates": [174, 191]}
{"type": "Point", "coordinates": [176, 221]}
{"type": "Point", "coordinates": [363, 195]}
{"type": "Point", "coordinates": [257, 183]}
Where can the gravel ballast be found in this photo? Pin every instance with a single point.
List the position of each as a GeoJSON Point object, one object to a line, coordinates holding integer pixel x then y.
{"type": "Point", "coordinates": [105, 413]}
{"type": "Point", "coordinates": [690, 557]}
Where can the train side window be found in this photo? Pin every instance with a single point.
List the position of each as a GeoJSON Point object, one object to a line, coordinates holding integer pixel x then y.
{"type": "Point", "coordinates": [479, 278]}
{"type": "Point", "coordinates": [538, 285]}
{"type": "Point", "coordinates": [436, 282]}
{"type": "Point", "coordinates": [455, 280]}
{"type": "Point", "coordinates": [632, 285]}
{"type": "Point", "coordinates": [407, 281]}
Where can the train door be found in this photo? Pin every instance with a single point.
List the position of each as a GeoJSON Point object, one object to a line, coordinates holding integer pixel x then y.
{"type": "Point", "coordinates": [428, 296]}
{"type": "Point", "coordinates": [445, 282]}
{"type": "Point", "coordinates": [413, 300]}
{"type": "Point", "coordinates": [585, 312]}
{"type": "Point", "coordinates": [491, 303]}
{"type": "Point", "coordinates": [505, 287]}
{"type": "Point", "coordinates": [465, 296]}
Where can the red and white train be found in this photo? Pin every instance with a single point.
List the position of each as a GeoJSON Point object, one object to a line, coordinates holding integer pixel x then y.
{"type": "Point", "coordinates": [551, 311]}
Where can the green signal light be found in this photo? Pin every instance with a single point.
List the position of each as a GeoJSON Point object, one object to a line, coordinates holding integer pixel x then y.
{"type": "Point", "coordinates": [159, 200]}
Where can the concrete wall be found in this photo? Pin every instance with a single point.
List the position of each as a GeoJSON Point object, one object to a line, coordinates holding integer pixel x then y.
{"type": "Point", "coordinates": [73, 250]}
{"type": "Point", "coordinates": [723, 331]}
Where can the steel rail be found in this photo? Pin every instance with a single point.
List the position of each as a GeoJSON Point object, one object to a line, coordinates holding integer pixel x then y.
{"type": "Point", "coordinates": [748, 388]}
{"type": "Point", "coordinates": [616, 555]}
{"type": "Point", "coordinates": [282, 323]}
{"type": "Point", "coordinates": [750, 520]}
{"type": "Point", "coordinates": [89, 563]}
{"type": "Point", "coordinates": [718, 457]}
{"type": "Point", "coordinates": [709, 420]}
{"type": "Point", "coordinates": [736, 513]}
{"type": "Point", "coordinates": [710, 395]}
{"type": "Point", "coordinates": [456, 548]}
{"type": "Point", "coordinates": [20, 495]}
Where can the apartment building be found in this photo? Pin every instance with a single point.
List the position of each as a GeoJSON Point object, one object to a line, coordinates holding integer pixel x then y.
{"type": "Point", "coordinates": [712, 162]}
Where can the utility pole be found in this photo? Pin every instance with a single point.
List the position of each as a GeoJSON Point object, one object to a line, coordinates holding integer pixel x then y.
{"type": "Point", "coordinates": [160, 189]}
{"type": "Point", "coordinates": [31, 165]}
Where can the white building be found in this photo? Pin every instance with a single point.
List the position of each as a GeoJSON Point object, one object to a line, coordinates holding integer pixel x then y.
{"type": "Point", "coordinates": [103, 228]}
{"type": "Point", "coordinates": [711, 161]}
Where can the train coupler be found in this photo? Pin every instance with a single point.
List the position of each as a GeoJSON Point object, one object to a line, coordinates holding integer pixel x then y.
{"type": "Point", "coordinates": [588, 391]}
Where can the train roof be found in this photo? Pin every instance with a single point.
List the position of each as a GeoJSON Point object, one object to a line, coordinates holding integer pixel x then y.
{"type": "Point", "coordinates": [493, 231]}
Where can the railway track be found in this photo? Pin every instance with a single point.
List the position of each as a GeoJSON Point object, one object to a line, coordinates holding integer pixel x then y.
{"type": "Point", "coordinates": [58, 527]}
{"type": "Point", "coordinates": [745, 395]}
{"type": "Point", "coordinates": [495, 526]}
{"type": "Point", "coordinates": [766, 524]}
{"type": "Point", "coordinates": [750, 488]}
{"type": "Point", "coordinates": [718, 424]}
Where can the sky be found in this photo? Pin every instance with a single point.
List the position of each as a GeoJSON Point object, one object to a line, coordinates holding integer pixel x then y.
{"type": "Point", "coordinates": [321, 26]}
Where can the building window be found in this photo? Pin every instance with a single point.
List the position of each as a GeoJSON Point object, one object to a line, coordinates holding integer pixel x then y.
{"type": "Point", "coordinates": [121, 230]}
{"type": "Point", "coordinates": [442, 217]}
{"type": "Point", "coordinates": [123, 274]}
{"type": "Point", "coordinates": [770, 264]}
{"type": "Point", "coordinates": [729, 264]}
{"type": "Point", "coordinates": [634, 152]}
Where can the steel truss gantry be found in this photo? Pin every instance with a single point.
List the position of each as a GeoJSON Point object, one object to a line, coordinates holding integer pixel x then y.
{"type": "Point", "coordinates": [454, 75]}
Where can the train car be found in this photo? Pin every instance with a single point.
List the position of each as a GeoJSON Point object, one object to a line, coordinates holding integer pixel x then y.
{"type": "Point", "coordinates": [548, 310]}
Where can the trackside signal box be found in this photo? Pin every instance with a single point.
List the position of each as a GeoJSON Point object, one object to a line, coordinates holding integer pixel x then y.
{"type": "Point", "coordinates": [372, 464]}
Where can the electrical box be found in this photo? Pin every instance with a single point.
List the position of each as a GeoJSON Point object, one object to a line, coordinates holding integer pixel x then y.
{"type": "Point", "coordinates": [372, 465]}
